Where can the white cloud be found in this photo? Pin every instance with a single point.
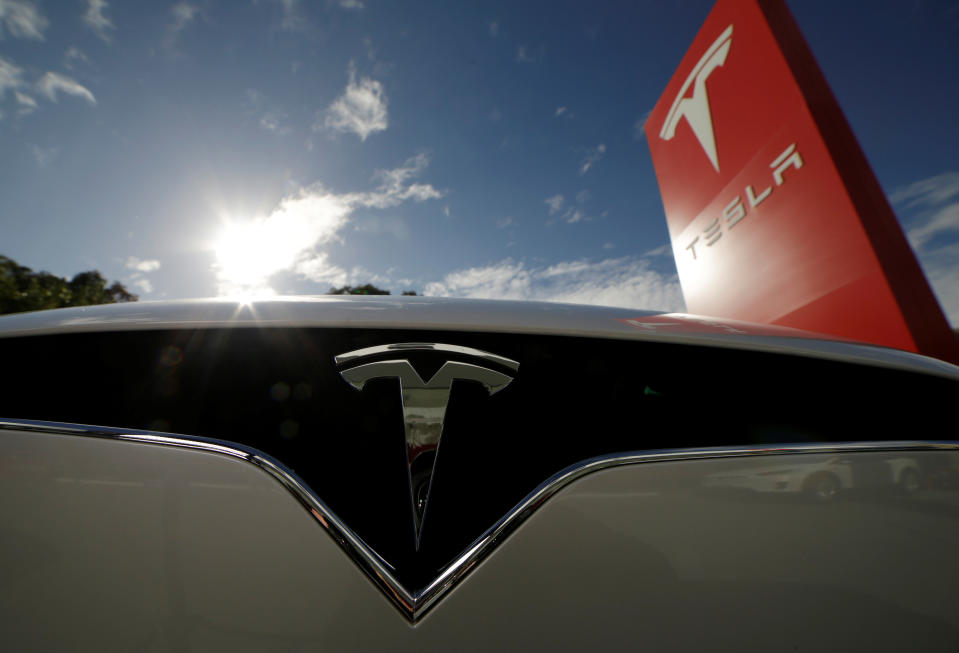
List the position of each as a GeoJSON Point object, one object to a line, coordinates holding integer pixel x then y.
{"type": "Point", "coordinates": [523, 55]}
{"type": "Point", "coordinates": [73, 55]}
{"type": "Point", "coordinates": [626, 281]}
{"type": "Point", "coordinates": [141, 268]}
{"type": "Point", "coordinates": [291, 237]}
{"type": "Point", "coordinates": [292, 19]}
{"type": "Point", "coordinates": [370, 50]}
{"type": "Point", "coordinates": [942, 268]}
{"type": "Point", "coordinates": [9, 76]}
{"type": "Point", "coordinates": [502, 223]}
{"type": "Point", "coordinates": [142, 265]}
{"type": "Point", "coordinates": [95, 19]}
{"type": "Point", "coordinates": [494, 29]}
{"type": "Point", "coordinates": [934, 233]}
{"type": "Point", "coordinates": [572, 214]}
{"type": "Point", "coordinates": [44, 155]}
{"type": "Point", "coordinates": [351, 4]}
{"type": "Point", "coordinates": [361, 109]}
{"type": "Point", "coordinates": [504, 280]}
{"type": "Point", "coordinates": [183, 14]}
{"type": "Point", "coordinates": [663, 250]}
{"type": "Point", "coordinates": [271, 117]}
{"type": "Point", "coordinates": [446, 210]}
{"type": "Point", "coordinates": [592, 158]}
{"type": "Point", "coordinates": [394, 189]}
{"type": "Point", "coordinates": [560, 111]}
{"type": "Point", "coordinates": [22, 19]}
{"type": "Point", "coordinates": [931, 197]}
{"type": "Point", "coordinates": [142, 284]}
{"type": "Point", "coordinates": [928, 192]}
{"type": "Point", "coordinates": [639, 131]}
{"type": "Point", "coordinates": [27, 103]}
{"type": "Point", "coordinates": [316, 267]}
{"type": "Point", "coordinates": [49, 86]}
{"type": "Point", "coordinates": [555, 203]}
{"type": "Point", "coordinates": [941, 222]}
{"type": "Point", "coordinates": [52, 83]}
{"type": "Point", "coordinates": [271, 122]}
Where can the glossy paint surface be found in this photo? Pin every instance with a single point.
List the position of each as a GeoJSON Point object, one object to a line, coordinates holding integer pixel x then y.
{"type": "Point", "coordinates": [469, 315]}
{"type": "Point", "coordinates": [129, 546]}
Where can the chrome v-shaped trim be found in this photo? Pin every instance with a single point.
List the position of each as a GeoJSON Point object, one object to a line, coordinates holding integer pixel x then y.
{"type": "Point", "coordinates": [414, 604]}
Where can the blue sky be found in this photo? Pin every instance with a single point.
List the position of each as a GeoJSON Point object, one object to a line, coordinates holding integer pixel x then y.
{"type": "Point", "coordinates": [491, 149]}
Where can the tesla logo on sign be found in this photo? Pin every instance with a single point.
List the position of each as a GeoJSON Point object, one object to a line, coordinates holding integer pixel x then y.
{"type": "Point", "coordinates": [695, 109]}
{"type": "Point", "coordinates": [736, 210]}
{"type": "Point", "coordinates": [827, 254]}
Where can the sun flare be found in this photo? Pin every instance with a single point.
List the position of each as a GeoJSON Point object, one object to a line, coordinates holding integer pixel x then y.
{"type": "Point", "coordinates": [250, 251]}
{"type": "Point", "coordinates": [247, 254]}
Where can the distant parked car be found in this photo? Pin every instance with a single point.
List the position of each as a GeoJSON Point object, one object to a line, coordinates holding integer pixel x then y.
{"type": "Point", "coordinates": [823, 478]}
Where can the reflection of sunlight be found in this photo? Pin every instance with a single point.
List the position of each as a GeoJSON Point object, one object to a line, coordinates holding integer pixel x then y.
{"type": "Point", "coordinates": [245, 301]}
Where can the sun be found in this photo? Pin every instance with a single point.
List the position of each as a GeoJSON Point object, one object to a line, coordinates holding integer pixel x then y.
{"type": "Point", "coordinates": [247, 255]}
{"type": "Point", "coordinates": [249, 251]}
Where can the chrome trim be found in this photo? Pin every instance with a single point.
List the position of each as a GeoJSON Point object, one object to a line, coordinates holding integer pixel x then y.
{"type": "Point", "coordinates": [366, 558]}
{"type": "Point", "coordinates": [413, 605]}
{"type": "Point", "coordinates": [424, 346]}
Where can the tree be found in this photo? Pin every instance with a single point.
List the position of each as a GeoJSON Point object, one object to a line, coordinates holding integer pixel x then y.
{"type": "Point", "coordinates": [411, 293]}
{"type": "Point", "coordinates": [119, 294]}
{"type": "Point", "coordinates": [368, 289]}
{"type": "Point", "coordinates": [22, 289]}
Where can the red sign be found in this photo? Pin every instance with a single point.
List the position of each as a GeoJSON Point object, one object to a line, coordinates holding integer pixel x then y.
{"type": "Point", "coordinates": [685, 324]}
{"type": "Point", "coordinates": [774, 213]}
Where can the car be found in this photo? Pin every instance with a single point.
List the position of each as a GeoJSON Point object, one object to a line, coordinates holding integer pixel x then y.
{"type": "Point", "coordinates": [823, 478]}
{"type": "Point", "coordinates": [415, 473]}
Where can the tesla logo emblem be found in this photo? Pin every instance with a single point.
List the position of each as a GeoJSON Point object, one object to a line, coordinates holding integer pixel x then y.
{"type": "Point", "coordinates": [424, 403]}
{"type": "Point", "coordinates": [696, 108]}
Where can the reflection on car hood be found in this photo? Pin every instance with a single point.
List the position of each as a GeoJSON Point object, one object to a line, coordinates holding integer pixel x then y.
{"type": "Point", "coordinates": [471, 315]}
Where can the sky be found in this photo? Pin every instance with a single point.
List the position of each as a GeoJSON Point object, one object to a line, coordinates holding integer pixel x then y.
{"type": "Point", "coordinates": [487, 149]}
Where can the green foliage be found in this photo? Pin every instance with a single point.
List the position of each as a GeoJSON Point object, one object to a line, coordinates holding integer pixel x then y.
{"type": "Point", "coordinates": [22, 289]}
{"type": "Point", "coordinates": [368, 289]}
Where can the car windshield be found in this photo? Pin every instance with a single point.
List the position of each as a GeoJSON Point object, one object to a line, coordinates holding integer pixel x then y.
{"type": "Point", "coordinates": [496, 149]}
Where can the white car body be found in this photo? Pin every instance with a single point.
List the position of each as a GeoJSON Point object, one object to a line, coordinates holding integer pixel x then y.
{"type": "Point", "coordinates": [115, 536]}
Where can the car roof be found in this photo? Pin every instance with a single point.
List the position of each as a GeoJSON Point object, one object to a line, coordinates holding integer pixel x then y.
{"type": "Point", "coordinates": [473, 315]}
